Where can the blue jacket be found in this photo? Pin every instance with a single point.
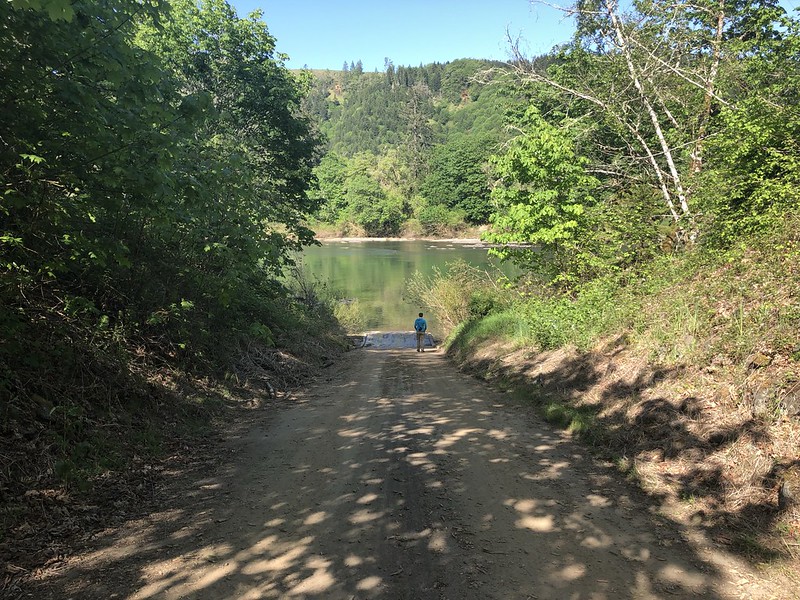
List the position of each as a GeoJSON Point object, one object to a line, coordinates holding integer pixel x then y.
{"type": "Point", "coordinates": [421, 325]}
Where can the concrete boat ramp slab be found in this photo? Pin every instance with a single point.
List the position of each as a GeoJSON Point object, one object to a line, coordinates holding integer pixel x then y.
{"type": "Point", "coordinates": [391, 340]}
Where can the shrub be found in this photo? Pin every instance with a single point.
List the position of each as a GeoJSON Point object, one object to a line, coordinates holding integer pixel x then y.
{"type": "Point", "coordinates": [373, 209]}
{"type": "Point", "coordinates": [449, 294]}
{"type": "Point", "coordinates": [481, 303]}
{"type": "Point", "coordinates": [437, 219]}
{"type": "Point", "coordinates": [350, 315]}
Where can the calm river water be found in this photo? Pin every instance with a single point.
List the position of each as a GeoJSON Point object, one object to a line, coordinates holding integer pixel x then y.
{"type": "Point", "coordinates": [375, 273]}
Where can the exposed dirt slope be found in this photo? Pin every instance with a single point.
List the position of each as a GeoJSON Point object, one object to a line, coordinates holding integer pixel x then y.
{"type": "Point", "coordinates": [715, 445]}
{"type": "Point", "coordinates": [401, 478]}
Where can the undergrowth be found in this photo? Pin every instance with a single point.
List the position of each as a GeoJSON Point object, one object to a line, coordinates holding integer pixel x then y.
{"type": "Point", "coordinates": [677, 308]}
{"type": "Point", "coordinates": [87, 414]}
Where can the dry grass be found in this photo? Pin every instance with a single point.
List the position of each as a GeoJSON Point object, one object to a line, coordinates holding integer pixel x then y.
{"type": "Point", "coordinates": [685, 435]}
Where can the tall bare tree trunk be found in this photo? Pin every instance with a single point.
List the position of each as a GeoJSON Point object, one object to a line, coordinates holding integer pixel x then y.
{"type": "Point", "coordinates": [624, 47]}
{"type": "Point", "coordinates": [696, 164]}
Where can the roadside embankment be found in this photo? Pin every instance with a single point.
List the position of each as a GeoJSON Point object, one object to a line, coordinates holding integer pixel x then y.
{"type": "Point", "coordinates": [684, 372]}
{"type": "Point", "coordinates": [714, 444]}
{"type": "Point", "coordinates": [66, 477]}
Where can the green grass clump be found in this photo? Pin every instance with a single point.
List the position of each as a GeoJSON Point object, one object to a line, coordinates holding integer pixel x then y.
{"type": "Point", "coordinates": [578, 420]}
{"type": "Point", "coordinates": [509, 326]}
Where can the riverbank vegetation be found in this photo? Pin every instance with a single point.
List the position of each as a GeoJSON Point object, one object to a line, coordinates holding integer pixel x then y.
{"type": "Point", "coordinates": [154, 165]}
{"type": "Point", "coordinates": [686, 376]}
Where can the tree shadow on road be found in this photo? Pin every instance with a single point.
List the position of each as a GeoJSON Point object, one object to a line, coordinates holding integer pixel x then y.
{"type": "Point", "coordinates": [401, 479]}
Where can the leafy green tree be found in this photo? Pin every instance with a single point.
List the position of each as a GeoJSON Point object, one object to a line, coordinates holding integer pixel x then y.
{"type": "Point", "coordinates": [154, 170]}
{"type": "Point", "coordinates": [393, 171]}
{"type": "Point", "coordinates": [674, 59]}
{"type": "Point", "coordinates": [257, 99]}
{"type": "Point", "coordinates": [90, 129]}
{"type": "Point", "coordinates": [246, 201]}
{"type": "Point", "coordinates": [419, 133]}
{"type": "Point", "coordinates": [331, 181]}
{"type": "Point", "coordinates": [370, 207]}
{"type": "Point", "coordinates": [542, 196]}
{"type": "Point", "coordinates": [753, 165]}
{"type": "Point", "coordinates": [458, 177]}
{"type": "Point", "coordinates": [88, 149]}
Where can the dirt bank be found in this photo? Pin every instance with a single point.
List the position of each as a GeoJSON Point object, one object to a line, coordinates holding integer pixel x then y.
{"type": "Point", "coordinates": [712, 445]}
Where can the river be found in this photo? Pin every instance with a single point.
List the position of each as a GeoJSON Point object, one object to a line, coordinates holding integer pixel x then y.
{"type": "Point", "coordinates": [373, 273]}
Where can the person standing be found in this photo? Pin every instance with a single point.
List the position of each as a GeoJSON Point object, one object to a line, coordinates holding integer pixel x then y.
{"type": "Point", "coordinates": [420, 326]}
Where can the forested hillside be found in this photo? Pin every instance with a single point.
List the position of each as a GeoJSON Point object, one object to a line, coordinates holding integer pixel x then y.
{"type": "Point", "coordinates": [649, 131]}
{"type": "Point", "coordinates": [408, 149]}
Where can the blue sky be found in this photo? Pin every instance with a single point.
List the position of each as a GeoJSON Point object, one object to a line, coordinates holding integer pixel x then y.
{"type": "Point", "coordinates": [324, 33]}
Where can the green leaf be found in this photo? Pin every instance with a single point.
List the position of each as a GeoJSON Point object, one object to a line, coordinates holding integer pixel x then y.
{"type": "Point", "coordinates": [57, 10]}
{"type": "Point", "coordinates": [32, 158]}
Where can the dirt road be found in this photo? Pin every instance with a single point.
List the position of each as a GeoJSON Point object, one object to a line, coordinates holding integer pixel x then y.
{"type": "Point", "coordinates": [402, 479]}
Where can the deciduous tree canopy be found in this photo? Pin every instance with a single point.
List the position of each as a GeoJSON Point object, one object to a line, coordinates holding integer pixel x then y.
{"type": "Point", "coordinates": [154, 170]}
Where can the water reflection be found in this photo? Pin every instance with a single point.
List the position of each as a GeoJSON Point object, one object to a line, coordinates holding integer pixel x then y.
{"type": "Point", "coordinates": [375, 272]}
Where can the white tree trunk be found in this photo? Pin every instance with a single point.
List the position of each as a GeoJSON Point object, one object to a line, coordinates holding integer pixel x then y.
{"type": "Point", "coordinates": [697, 153]}
{"type": "Point", "coordinates": [624, 47]}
